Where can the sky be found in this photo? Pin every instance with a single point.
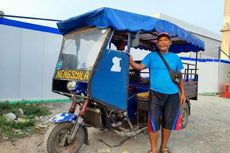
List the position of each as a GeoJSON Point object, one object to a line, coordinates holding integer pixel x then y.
{"type": "Point", "coordinates": [207, 14]}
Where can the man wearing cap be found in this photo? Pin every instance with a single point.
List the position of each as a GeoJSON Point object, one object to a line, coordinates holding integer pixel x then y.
{"type": "Point", "coordinates": [164, 95]}
{"type": "Point", "coordinates": [120, 44]}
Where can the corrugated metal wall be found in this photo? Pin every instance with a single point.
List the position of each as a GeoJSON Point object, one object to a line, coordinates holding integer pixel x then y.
{"type": "Point", "coordinates": [27, 61]}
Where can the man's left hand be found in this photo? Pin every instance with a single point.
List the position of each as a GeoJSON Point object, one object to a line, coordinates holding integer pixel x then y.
{"type": "Point", "coordinates": [182, 99]}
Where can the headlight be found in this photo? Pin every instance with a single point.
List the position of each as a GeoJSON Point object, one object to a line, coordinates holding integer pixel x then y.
{"type": "Point", "coordinates": [71, 85]}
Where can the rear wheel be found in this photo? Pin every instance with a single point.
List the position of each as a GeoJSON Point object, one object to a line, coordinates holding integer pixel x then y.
{"type": "Point", "coordinates": [185, 115]}
{"type": "Point", "coordinates": [57, 133]}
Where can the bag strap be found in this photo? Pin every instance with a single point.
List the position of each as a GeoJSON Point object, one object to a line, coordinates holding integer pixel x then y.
{"type": "Point", "coordinates": [164, 61]}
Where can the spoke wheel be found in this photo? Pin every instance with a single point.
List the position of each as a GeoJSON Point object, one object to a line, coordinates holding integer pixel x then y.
{"type": "Point", "coordinates": [57, 134]}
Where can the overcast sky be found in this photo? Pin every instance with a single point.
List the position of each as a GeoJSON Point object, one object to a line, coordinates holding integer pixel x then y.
{"type": "Point", "coordinates": [204, 13]}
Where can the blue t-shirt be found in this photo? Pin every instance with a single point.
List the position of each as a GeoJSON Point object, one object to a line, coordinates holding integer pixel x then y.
{"type": "Point", "coordinates": [159, 76]}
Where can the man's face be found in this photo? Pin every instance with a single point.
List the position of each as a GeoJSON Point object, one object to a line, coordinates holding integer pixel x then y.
{"type": "Point", "coordinates": [121, 47]}
{"type": "Point", "coordinates": [164, 43]}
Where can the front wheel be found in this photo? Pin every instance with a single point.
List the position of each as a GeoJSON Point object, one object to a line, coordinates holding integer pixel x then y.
{"type": "Point", "coordinates": [56, 135]}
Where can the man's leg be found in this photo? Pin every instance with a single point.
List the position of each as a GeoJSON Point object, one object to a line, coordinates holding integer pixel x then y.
{"type": "Point", "coordinates": [171, 110]}
{"type": "Point", "coordinates": [154, 119]}
{"type": "Point", "coordinates": [153, 136]}
{"type": "Point", "coordinates": [165, 134]}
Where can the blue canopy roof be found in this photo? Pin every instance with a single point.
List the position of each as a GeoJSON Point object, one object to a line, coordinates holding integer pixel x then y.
{"type": "Point", "coordinates": [126, 21]}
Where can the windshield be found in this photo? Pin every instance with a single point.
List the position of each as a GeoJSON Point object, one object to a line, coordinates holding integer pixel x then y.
{"type": "Point", "coordinates": [80, 49]}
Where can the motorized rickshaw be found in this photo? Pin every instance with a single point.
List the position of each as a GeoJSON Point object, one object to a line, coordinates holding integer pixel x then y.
{"type": "Point", "coordinates": [105, 92]}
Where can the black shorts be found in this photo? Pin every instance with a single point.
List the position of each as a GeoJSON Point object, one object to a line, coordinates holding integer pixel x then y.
{"type": "Point", "coordinates": [166, 106]}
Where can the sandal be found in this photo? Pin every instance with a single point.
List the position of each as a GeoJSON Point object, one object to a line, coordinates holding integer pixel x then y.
{"type": "Point", "coordinates": [165, 150]}
{"type": "Point", "coordinates": [150, 151]}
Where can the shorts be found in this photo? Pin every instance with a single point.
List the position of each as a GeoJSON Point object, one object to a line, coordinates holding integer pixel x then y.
{"type": "Point", "coordinates": [165, 109]}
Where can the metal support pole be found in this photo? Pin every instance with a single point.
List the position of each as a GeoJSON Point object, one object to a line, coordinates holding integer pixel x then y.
{"type": "Point", "coordinates": [196, 76]}
{"type": "Point", "coordinates": [219, 53]}
{"type": "Point", "coordinates": [229, 50]}
{"type": "Point", "coordinates": [110, 39]}
{"type": "Point", "coordinates": [129, 42]}
{"type": "Point", "coordinates": [26, 17]}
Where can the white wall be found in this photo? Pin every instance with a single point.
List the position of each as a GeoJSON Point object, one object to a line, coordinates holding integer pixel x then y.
{"type": "Point", "coordinates": [212, 75]}
{"type": "Point", "coordinates": [208, 77]}
{"type": "Point", "coordinates": [223, 76]}
{"type": "Point", "coordinates": [10, 49]}
{"type": "Point", "coordinates": [27, 62]}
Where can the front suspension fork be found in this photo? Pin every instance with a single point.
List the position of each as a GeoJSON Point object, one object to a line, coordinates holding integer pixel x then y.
{"type": "Point", "coordinates": [79, 120]}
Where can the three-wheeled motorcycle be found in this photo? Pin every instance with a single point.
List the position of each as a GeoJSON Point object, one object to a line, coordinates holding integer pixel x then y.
{"type": "Point", "coordinates": [105, 92]}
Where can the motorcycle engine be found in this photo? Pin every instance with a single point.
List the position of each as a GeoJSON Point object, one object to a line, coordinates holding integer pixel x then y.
{"type": "Point", "coordinates": [117, 118]}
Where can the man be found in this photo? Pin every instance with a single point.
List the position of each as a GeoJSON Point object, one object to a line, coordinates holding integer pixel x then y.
{"type": "Point", "coordinates": [120, 44]}
{"type": "Point", "coordinates": [164, 94]}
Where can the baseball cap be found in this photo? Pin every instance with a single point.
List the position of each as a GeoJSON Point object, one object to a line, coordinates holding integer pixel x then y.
{"type": "Point", "coordinates": [163, 34]}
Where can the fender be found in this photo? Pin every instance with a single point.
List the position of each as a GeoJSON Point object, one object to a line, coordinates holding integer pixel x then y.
{"type": "Point", "coordinates": [69, 117]}
{"type": "Point", "coordinates": [63, 117]}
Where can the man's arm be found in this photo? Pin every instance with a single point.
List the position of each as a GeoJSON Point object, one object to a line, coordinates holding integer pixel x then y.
{"type": "Point", "coordinates": [182, 92]}
{"type": "Point", "coordinates": [135, 65]}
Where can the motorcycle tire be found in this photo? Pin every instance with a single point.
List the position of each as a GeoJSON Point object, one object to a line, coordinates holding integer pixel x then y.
{"type": "Point", "coordinates": [55, 135]}
{"type": "Point", "coordinates": [185, 115]}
